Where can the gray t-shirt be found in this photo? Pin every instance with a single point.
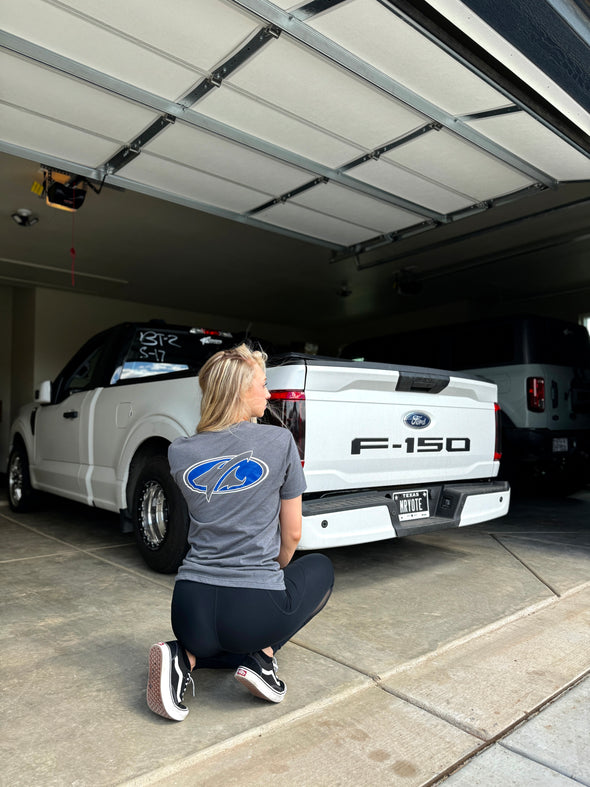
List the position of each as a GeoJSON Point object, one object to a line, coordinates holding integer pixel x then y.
{"type": "Point", "coordinates": [233, 482]}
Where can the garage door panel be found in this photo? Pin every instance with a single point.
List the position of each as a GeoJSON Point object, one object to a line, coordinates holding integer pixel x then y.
{"type": "Point", "coordinates": [350, 206]}
{"type": "Point", "coordinates": [317, 225]}
{"type": "Point", "coordinates": [175, 179]}
{"type": "Point", "coordinates": [296, 80]}
{"type": "Point", "coordinates": [48, 137]}
{"type": "Point", "coordinates": [379, 37]}
{"type": "Point", "coordinates": [198, 32]}
{"type": "Point", "coordinates": [210, 153]}
{"type": "Point", "coordinates": [70, 101]}
{"type": "Point", "coordinates": [100, 48]}
{"type": "Point", "coordinates": [394, 179]}
{"type": "Point", "coordinates": [277, 126]}
{"type": "Point", "coordinates": [532, 141]}
{"type": "Point", "coordinates": [459, 165]}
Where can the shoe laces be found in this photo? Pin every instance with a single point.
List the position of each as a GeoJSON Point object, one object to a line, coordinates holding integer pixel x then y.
{"type": "Point", "coordinates": [187, 679]}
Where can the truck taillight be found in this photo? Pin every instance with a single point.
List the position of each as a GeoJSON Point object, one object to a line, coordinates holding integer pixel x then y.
{"type": "Point", "coordinates": [535, 392]}
{"type": "Point", "coordinates": [498, 446]}
{"type": "Point", "coordinates": [287, 408]}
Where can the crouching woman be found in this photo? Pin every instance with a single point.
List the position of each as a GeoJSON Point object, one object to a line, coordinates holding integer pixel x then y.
{"type": "Point", "coordinates": [238, 597]}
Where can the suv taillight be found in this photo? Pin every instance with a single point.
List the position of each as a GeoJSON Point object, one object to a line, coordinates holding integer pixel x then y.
{"type": "Point", "coordinates": [535, 392]}
{"type": "Point", "coordinates": [498, 447]}
{"type": "Point", "coordinates": [287, 408]}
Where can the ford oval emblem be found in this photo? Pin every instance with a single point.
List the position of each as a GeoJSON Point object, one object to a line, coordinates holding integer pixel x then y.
{"type": "Point", "coordinates": [417, 420]}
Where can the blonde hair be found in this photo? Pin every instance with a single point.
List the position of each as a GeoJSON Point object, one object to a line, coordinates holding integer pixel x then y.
{"type": "Point", "coordinates": [224, 379]}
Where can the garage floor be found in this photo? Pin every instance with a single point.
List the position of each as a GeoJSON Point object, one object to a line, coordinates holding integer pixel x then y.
{"type": "Point", "coordinates": [430, 654]}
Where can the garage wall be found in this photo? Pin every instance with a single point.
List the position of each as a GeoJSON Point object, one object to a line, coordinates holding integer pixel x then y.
{"type": "Point", "coordinates": [44, 327]}
{"type": "Point", "coordinates": [459, 311]}
{"type": "Point", "coordinates": [563, 305]}
{"type": "Point", "coordinates": [568, 306]}
{"type": "Point", "coordinates": [65, 320]}
{"type": "Point", "coordinates": [5, 370]}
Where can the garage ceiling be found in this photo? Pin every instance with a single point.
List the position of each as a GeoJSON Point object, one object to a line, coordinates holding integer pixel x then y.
{"type": "Point", "coordinates": [304, 149]}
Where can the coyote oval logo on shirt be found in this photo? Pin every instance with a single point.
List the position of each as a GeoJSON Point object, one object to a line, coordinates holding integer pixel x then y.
{"type": "Point", "coordinates": [225, 474]}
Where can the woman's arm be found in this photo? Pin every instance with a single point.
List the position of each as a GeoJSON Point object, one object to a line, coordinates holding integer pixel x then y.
{"type": "Point", "coordinates": [290, 519]}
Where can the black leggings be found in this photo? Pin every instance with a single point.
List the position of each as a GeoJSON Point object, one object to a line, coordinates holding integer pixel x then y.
{"type": "Point", "coordinates": [219, 625]}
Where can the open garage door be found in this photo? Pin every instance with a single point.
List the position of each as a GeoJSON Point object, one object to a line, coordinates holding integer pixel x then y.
{"type": "Point", "coordinates": [352, 124]}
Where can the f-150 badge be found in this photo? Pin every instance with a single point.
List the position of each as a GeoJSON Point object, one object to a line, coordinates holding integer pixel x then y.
{"type": "Point", "coordinates": [411, 445]}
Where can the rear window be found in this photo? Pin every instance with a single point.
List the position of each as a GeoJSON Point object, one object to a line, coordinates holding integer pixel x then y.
{"type": "Point", "coordinates": [560, 343]}
{"type": "Point", "coordinates": [167, 351]}
{"type": "Point", "coordinates": [483, 344]}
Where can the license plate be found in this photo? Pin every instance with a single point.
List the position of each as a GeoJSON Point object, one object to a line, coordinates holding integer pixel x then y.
{"type": "Point", "coordinates": [560, 444]}
{"type": "Point", "coordinates": [411, 505]}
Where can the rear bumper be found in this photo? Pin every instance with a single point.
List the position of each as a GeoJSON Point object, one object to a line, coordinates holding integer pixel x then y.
{"type": "Point", "coordinates": [346, 519]}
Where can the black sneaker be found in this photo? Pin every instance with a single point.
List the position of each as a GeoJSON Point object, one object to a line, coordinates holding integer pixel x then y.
{"type": "Point", "coordinates": [260, 677]}
{"type": "Point", "coordinates": [169, 675]}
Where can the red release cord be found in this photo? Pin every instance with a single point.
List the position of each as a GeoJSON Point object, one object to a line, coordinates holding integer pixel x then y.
{"type": "Point", "coordinates": [72, 249]}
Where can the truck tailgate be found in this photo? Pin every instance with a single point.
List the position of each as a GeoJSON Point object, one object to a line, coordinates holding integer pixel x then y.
{"type": "Point", "coordinates": [375, 425]}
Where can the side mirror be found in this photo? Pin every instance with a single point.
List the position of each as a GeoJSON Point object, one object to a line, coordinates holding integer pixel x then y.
{"type": "Point", "coordinates": [43, 393]}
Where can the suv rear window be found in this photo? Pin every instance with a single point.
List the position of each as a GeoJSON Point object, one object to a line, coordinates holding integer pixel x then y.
{"type": "Point", "coordinates": [559, 343]}
{"type": "Point", "coordinates": [165, 351]}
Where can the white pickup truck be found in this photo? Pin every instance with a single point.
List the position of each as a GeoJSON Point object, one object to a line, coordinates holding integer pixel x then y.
{"type": "Point", "coordinates": [387, 450]}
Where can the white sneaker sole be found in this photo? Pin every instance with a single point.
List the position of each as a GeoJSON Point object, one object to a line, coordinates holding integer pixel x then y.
{"type": "Point", "coordinates": [158, 695]}
{"type": "Point", "coordinates": [257, 686]}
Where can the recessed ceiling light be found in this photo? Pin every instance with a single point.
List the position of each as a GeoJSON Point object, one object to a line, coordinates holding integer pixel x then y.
{"type": "Point", "coordinates": [24, 217]}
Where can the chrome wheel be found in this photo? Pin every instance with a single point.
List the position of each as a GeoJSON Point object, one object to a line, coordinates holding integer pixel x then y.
{"type": "Point", "coordinates": [153, 514]}
{"type": "Point", "coordinates": [159, 513]}
{"type": "Point", "coordinates": [21, 495]}
{"type": "Point", "coordinates": [16, 479]}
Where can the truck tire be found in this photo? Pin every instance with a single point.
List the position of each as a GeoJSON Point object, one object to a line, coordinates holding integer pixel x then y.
{"type": "Point", "coordinates": [158, 512]}
{"type": "Point", "coordinates": [21, 495]}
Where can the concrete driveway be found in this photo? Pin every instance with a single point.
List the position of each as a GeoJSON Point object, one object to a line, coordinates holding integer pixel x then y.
{"type": "Point", "coordinates": [430, 654]}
